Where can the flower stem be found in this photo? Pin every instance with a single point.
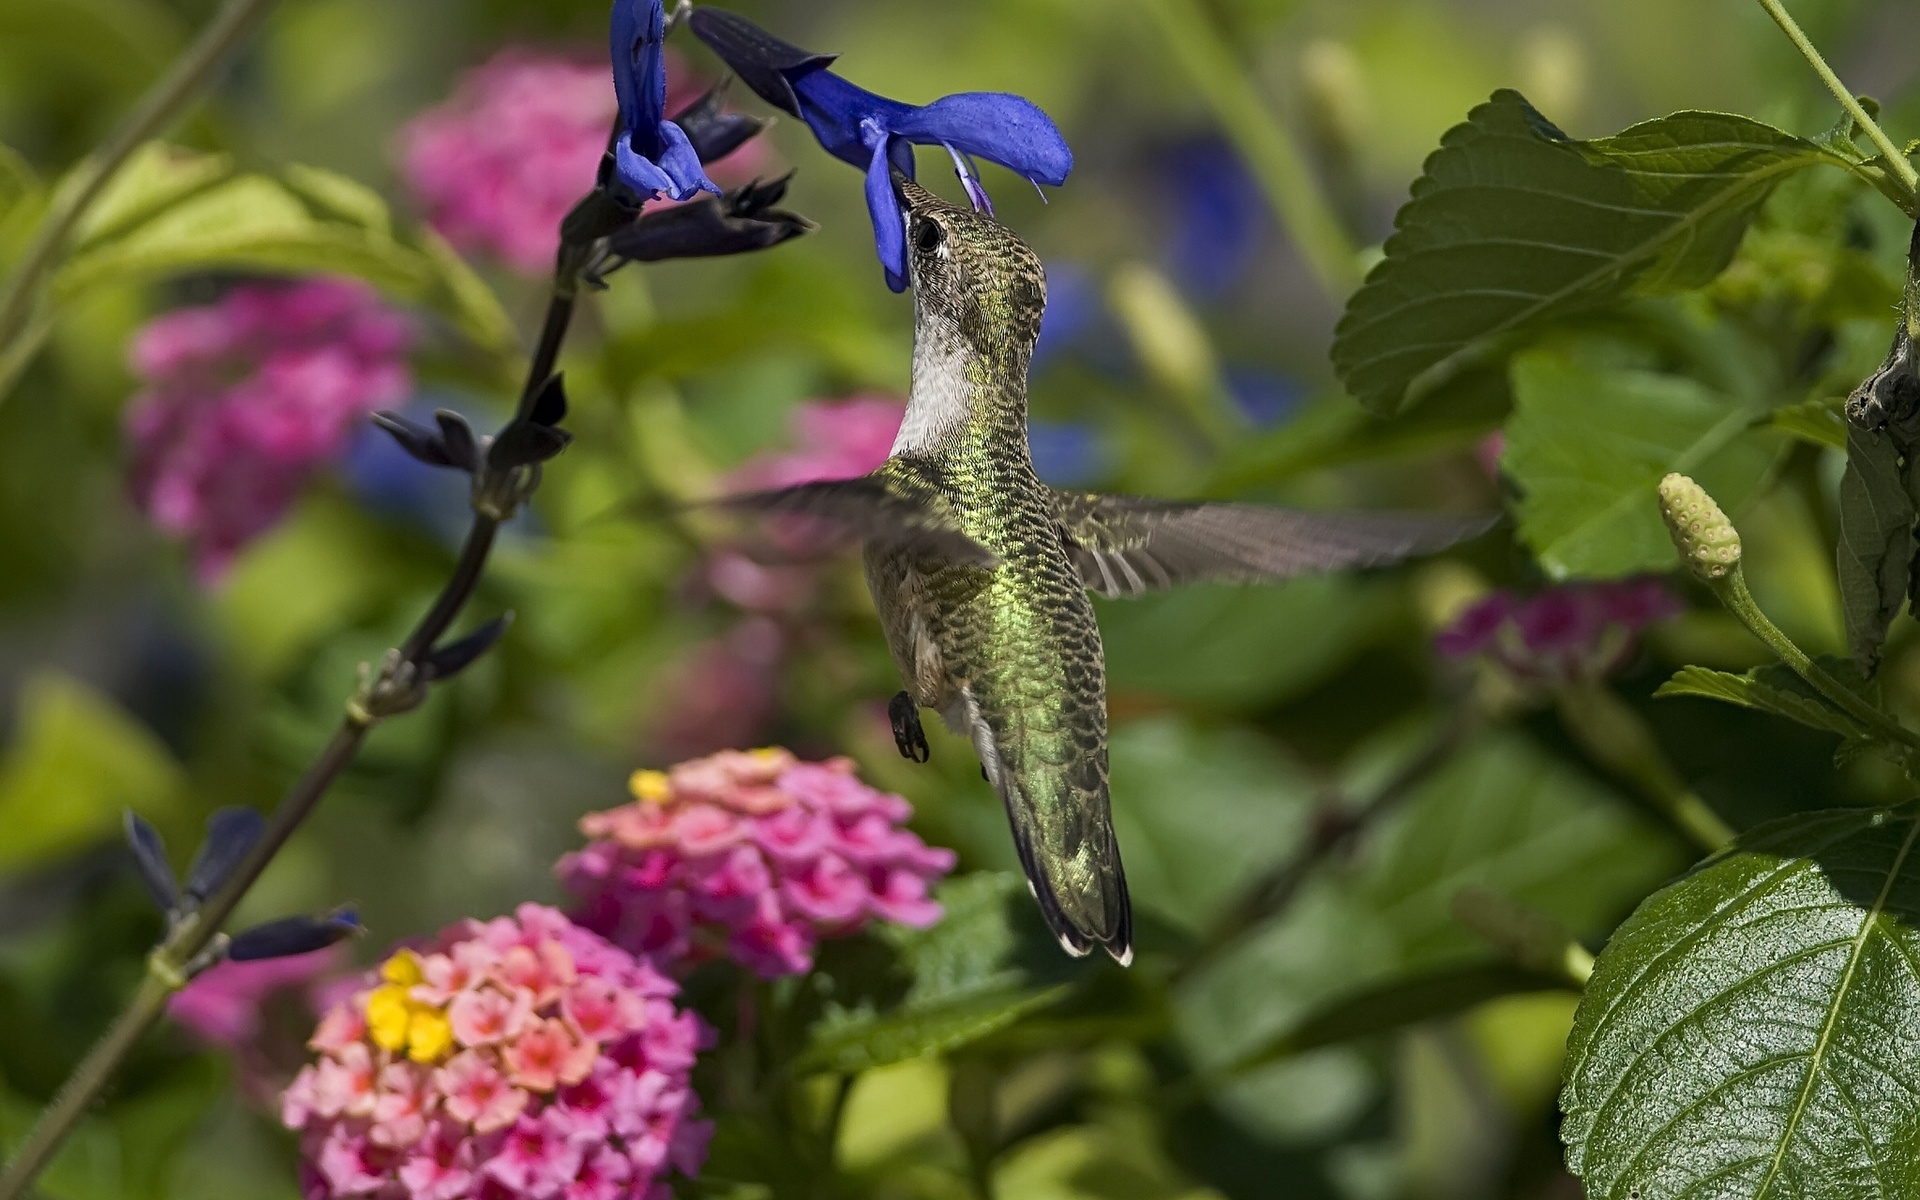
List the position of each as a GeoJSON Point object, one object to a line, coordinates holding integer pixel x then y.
{"type": "Point", "coordinates": [1732, 592]}
{"type": "Point", "coordinates": [167, 966]}
{"type": "Point", "coordinates": [189, 75]}
{"type": "Point", "coordinates": [1269, 148]}
{"type": "Point", "coordinates": [1896, 161]}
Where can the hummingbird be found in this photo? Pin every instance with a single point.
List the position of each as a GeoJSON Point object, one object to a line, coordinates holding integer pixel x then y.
{"type": "Point", "coordinates": [981, 573]}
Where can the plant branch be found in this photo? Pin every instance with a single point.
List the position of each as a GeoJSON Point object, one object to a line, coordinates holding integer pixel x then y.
{"type": "Point", "coordinates": [1269, 148]}
{"type": "Point", "coordinates": [185, 79]}
{"type": "Point", "coordinates": [395, 688]}
{"type": "Point", "coordinates": [1896, 161]}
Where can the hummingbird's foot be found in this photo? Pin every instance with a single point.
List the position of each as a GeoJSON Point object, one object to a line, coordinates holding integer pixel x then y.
{"type": "Point", "coordinates": [907, 734]}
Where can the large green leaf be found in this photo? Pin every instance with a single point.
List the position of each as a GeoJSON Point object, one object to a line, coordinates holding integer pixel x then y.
{"type": "Point", "coordinates": [1504, 816]}
{"type": "Point", "coordinates": [1588, 446]}
{"type": "Point", "coordinates": [1514, 224]}
{"type": "Point", "coordinates": [1752, 1030]}
{"type": "Point", "coordinates": [1875, 553]}
{"type": "Point", "coordinates": [175, 210]}
{"type": "Point", "coordinates": [76, 763]}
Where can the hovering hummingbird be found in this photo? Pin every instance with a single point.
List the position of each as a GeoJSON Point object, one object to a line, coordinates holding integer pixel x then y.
{"type": "Point", "coordinates": [980, 571]}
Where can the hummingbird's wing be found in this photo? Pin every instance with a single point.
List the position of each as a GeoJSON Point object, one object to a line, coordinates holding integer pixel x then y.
{"type": "Point", "coordinates": [1130, 545]}
{"type": "Point", "coordinates": [898, 508]}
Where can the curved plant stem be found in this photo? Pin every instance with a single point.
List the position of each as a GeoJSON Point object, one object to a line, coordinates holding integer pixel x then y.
{"type": "Point", "coordinates": [1896, 161]}
{"type": "Point", "coordinates": [1270, 149]}
{"type": "Point", "coordinates": [189, 75]}
{"type": "Point", "coordinates": [1732, 592]}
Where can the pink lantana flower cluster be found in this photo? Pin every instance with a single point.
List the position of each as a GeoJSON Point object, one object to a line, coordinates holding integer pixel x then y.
{"type": "Point", "coordinates": [1574, 633]}
{"type": "Point", "coordinates": [497, 166]}
{"type": "Point", "coordinates": [519, 1057]}
{"type": "Point", "coordinates": [755, 855]}
{"type": "Point", "coordinates": [243, 399]}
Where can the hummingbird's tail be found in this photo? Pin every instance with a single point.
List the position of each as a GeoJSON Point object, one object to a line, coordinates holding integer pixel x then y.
{"type": "Point", "coordinates": [1089, 913]}
{"type": "Point", "coordinates": [1063, 829]}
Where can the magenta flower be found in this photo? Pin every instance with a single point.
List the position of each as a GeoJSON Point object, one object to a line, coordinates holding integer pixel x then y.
{"type": "Point", "coordinates": [1573, 633]}
{"type": "Point", "coordinates": [497, 166]}
{"type": "Point", "coordinates": [244, 399]}
{"type": "Point", "coordinates": [520, 1057]}
{"type": "Point", "coordinates": [836, 439]}
{"type": "Point", "coordinates": [752, 855]}
{"type": "Point", "coordinates": [222, 1004]}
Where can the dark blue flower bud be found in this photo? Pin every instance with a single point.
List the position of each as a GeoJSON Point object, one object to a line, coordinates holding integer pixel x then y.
{"type": "Point", "coordinates": [444, 662]}
{"type": "Point", "coordinates": [463, 449]}
{"type": "Point", "coordinates": [743, 221]}
{"type": "Point", "coordinates": [420, 443]}
{"type": "Point", "coordinates": [231, 832]}
{"type": "Point", "coordinates": [713, 131]}
{"type": "Point", "coordinates": [293, 935]}
{"type": "Point", "coordinates": [150, 857]}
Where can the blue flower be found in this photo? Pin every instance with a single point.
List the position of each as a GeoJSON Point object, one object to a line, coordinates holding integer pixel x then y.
{"type": "Point", "coordinates": [877, 134]}
{"type": "Point", "coordinates": [652, 155]}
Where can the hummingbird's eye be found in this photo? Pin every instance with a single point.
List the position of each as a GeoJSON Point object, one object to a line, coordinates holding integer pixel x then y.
{"type": "Point", "coordinates": [926, 236]}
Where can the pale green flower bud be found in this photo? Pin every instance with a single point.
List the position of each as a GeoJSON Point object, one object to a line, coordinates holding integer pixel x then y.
{"type": "Point", "coordinates": [1707, 541]}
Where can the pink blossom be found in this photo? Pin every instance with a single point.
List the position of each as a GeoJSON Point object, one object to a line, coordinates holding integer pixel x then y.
{"type": "Point", "coordinates": [724, 691]}
{"type": "Point", "coordinates": [548, 1054]}
{"type": "Point", "coordinates": [538, 1159]}
{"type": "Point", "coordinates": [755, 855]}
{"type": "Point", "coordinates": [558, 1069]}
{"type": "Point", "coordinates": [477, 1093]}
{"type": "Point", "coordinates": [498, 165]}
{"type": "Point", "coordinates": [1566, 634]}
{"type": "Point", "coordinates": [484, 1016]}
{"type": "Point", "coordinates": [241, 401]}
{"type": "Point", "coordinates": [837, 439]}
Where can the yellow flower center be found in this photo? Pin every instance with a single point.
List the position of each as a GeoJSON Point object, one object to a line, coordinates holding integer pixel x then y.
{"type": "Point", "coordinates": [650, 787]}
{"type": "Point", "coordinates": [397, 1022]}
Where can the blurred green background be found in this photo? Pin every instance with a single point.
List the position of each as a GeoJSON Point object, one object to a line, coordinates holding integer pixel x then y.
{"type": "Point", "coordinates": [1188, 356]}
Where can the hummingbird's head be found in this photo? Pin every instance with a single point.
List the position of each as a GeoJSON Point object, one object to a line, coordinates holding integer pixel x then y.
{"type": "Point", "coordinates": [971, 275]}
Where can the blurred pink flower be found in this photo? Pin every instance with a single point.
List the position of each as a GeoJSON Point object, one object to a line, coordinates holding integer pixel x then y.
{"type": "Point", "coordinates": [471, 1076]}
{"type": "Point", "coordinates": [754, 855]}
{"type": "Point", "coordinates": [222, 1005]}
{"type": "Point", "coordinates": [243, 399]}
{"type": "Point", "coordinates": [836, 439]}
{"type": "Point", "coordinates": [497, 166]}
{"type": "Point", "coordinates": [724, 691]}
{"type": "Point", "coordinates": [1571, 633]}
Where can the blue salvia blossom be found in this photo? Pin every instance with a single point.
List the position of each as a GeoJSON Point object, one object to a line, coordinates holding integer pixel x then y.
{"type": "Point", "coordinates": [877, 134]}
{"type": "Point", "coordinates": [652, 156]}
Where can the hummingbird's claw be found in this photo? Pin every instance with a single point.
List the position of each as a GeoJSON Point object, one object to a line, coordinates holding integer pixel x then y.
{"type": "Point", "coordinates": [907, 734]}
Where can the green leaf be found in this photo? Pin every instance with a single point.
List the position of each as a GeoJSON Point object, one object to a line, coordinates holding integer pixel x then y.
{"type": "Point", "coordinates": [156, 177]}
{"type": "Point", "coordinates": [967, 949]}
{"type": "Point", "coordinates": [1513, 225]}
{"type": "Point", "coordinates": [77, 762]}
{"type": "Point", "coordinates": [1587, 448]}
{"type": "Point", "coordinates": [1236, 647]}
{"type": "Point", "coordinates": [341, 198]}
{"type": "Point", "coordinates": [174, 211]}
{"type": "Point", "coordinates": [1816, 422]}
{"type": "Point", "coordinates": [1503, 815]}
{"type": "Point", "coordinates": [1760, 689]}
{"type": "Point", "coordinates": [863, 1041]}
{"type": "Point", "coordinates": [1751, 1030]}
{"type": "Point", "coordinates": [1875, 554]}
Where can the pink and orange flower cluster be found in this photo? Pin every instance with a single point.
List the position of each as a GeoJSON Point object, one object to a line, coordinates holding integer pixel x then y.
{"type": "Point", "coordinates": [754, 855]}
{"type": "Point", "coordinates": [519, 1057]}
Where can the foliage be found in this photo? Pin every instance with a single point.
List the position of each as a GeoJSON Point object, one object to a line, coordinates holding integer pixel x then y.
{"type": "Point", "coordinates": [1406, 927]}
